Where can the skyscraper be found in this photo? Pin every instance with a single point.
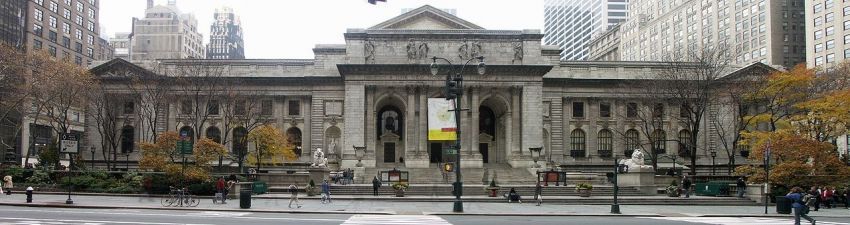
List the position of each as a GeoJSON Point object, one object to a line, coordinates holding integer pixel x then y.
{"type": "Point", "coordinates": [828, 32]}
{"type": "Point", "coordinates": [569, 24]}
{"type": "Point", "coordinates": [225, 36]}
{"type": "Point", "coordinates": [165, 33]}
{"type": "Point", "coordinates": [66, 29]}
{"type": "Point", "coordinates": [12, 16]}
{"type": "Point", "coordinates": [771, 32]}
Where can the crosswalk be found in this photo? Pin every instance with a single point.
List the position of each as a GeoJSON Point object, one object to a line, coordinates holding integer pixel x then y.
{"type": "Point", "coordinates": [395, 219]}
{"type": "Point", "coordinates": [739, 220]}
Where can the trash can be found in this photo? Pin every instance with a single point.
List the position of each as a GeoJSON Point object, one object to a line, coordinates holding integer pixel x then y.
{"type": "Point", "coordinates": [245, 189]}
{"type": "Point", "coordinates": [260, 187]}
{"type": "Point", "coordinates": [783, 205]}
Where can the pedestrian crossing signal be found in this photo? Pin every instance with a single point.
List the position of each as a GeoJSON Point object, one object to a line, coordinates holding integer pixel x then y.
{"type": "Point", "coordinates": [448, 167]}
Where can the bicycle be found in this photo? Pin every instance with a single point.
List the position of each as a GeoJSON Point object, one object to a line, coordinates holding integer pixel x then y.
{"type": "Point", "coordinates": [179, 197]}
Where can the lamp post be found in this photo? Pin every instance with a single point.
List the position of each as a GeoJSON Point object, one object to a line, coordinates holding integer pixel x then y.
{"type": "Point", "coordinates": [127, 161]}
{"type": "Point", "coordinates": [535, 154]}
{"type": "Point", "coordinates": [359, 152]}
{"type": "Point", "coordinates": [618, 168]}
{"type": "Point", "coordinates": [713, 155]}
{"type": "Point", "coordinates": [454, 91]}
{"type": "Point", "coordinates": [92, 156]}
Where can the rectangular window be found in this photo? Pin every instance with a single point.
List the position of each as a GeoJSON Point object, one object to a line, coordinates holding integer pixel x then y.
{"type": "Point", "coordinates": [847, 53]}
{"type": "Point", "coordinates": [847, 39]}
{"type": "Point", "coordinates": [631, 110]}
{"type": "Point", "coordinates": [818, 21]}
{"type": "Point", "coordinates": [186, 107]}
{"type": "Point", "coordinates": [66, 42]}
{"type": "Point", "coordinates": [54, 7]}
{"type": "Point", "coordinates": [36, 44]}
{"type": "Point", "coordinates": [66, 28]}
{"type": "Point", "coordinates": [212, 108]}
{"type": "Point", "coordinates": [830, 17]}
{"type": "Point", "coordinates": [90, 39]}
{"type": "Point", "coordinates": [66, 13]}
{"type": "Point", "coordinates": [90, 52]}
{"type": "Point", "coordinates": [819, 47]}
{"type": "Point", "coordinates": [79, 34]}
{"type": "Point", "coordinates": [39, 2]}
{"type": "Point", "coordinates": [819, 61]}
{"type": "Point", "coordinates": [847, 11]}
{"type": "Point", "coordinates": [605, 110]}
{"type": "Point", "coordinates": [68, 2]}
{"type": "Point", "coordinates": [52, 21]}
{"type": "Point", "coordinates": [38, 15]}
{"type": "Point", "coordinates": [239, 108]}
{"type": "Point", "coordinates": [91, 13]}
{"type": "Point", "coordinates": [578, 109]}
{"type": "Point", "coordinates": [818, 34]}
{"type": "Point", "coordinates": [90, 26]}
{"type": "Point", "coordinates": [79, 20]}
{"type": "Point", "coordinates": [129, 108]}
{"type": "Point", "coordinates": [51, 50]}
{"type": "Point", "coordinates": [294, 108]}
{"type": "Point", "coordinates": [78, 47]}
{"type": "Point", "coordinates": [266, 107]}
{"type": "Point", "coordinates": [830, 31]}
{"type": "Point", "coordinates": [37, 29]}
{"type": "Point", "coordinates": [80, 7]}
{"type": "Point", "coordinates": [830, 44]}
{"type": "Point", "coordinates": [51, 36]}
{"type": "Point", "coordinates": [830, 58]}
{"type": "Point", "coordinates": [658, 110]}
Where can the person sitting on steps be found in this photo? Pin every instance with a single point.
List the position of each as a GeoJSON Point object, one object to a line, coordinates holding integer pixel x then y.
{"type": "Point", "coordinates": [512, 196]}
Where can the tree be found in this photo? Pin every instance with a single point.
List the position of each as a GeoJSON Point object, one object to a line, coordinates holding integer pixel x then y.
{"type": "Point", "coordinates": [202, 85]}
{"type": "Point", "coordinates": [271, 147]}
{"type": "Point", "coordinates": [779, 94]}
{"type": "Point", "coordinates": [164, 156]}
{"type": "Point", "coordinates": [153, 91]}
{"type": "Point", "coordinates": [241, 109]}
{"type": "Point", "coordinates": [799, 161]}
{"type": "Point", "coordinates": [105, 116]}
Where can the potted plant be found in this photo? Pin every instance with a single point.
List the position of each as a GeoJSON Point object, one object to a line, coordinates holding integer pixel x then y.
{"type": "Point", "coordinates": [584, 189]}
{"type": "Point", "coordinates": [311, 188]}
{"type": "Point", "coordinates": [493, 188]}
{"type": "Point", "coordinates": [399, 189]}
{"type": "Point", "coordinates": [673, 189]}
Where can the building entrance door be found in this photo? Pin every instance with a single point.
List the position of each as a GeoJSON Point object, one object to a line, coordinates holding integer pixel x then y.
{"type": "Point", "coordinates": [483, 148]}
{"type": "Point", "coordinates": [436, 153]}
{"type": "Point", "coordinates": [389, 152]}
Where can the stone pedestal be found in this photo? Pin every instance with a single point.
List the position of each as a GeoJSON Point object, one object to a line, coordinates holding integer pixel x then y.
{"type": "Point", "coordinates": [360, 176]}
{"type": "Point", "coordinates": [319, 174]}
{"type": "Point", "coordinates": [642, 178]}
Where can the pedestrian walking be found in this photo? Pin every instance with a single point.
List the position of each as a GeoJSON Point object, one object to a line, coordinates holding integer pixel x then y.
{"type": "Point", "coordinates": [827, 197]}
{"type": "Point", "coordinates": [220, 185]}
{"type": "Point", "coordinates": [800, 204]}
{"type": "Point", "coordinates": [846, 197]}
{"type": "Point", "coordinates": [326, 192]}
{"type": "Point", "coordinates": [686, 186]}
{"type": "Point", "coordinates": [294, 197]}
{"type": "Point", "coordinates": [815, 191]}
{"type": "Point", "coordinates": [8, 184]}
{"type": "Point", "coordinates": [538, 193]}
{"type": "Point", "coordinates": [375, 185]}
{"type": "Point", "coordinates": [742, 187]}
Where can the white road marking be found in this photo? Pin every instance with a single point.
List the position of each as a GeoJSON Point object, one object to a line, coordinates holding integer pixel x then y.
{"type": "Point", "coordinates": [739, 220]}
{"type": "Point", "coordinates": [218, 214]}
{"type": "Point", "coordinates": [69, 221]}
{"type": "Point", "coordinates": [202, 214]}
{"type": "Point", "coordinates": [395, 219]}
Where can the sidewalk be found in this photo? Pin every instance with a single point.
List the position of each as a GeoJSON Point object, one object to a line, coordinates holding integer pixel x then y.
{"type": "Point", "coordinates": [341, 206]}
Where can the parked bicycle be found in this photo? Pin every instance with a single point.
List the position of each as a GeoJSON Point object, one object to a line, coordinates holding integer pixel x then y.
{"type": "Point", "coordinates": [179, 197]}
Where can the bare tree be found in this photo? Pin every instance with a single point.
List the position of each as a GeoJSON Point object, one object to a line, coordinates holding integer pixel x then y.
{"type": "Point", "coordinates": [202, 85]}
{"type": "Point", "coordinates": [641, 115]}
{"type": "Point", "coordinates": [243, 111]}
{"type": "Point", "coordinates": [153, 88]}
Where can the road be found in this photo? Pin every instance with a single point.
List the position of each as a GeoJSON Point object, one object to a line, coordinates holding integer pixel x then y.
{"type": "Point", "coordinates": [40, 215]}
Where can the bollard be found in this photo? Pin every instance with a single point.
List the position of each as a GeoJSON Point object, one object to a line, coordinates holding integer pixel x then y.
{"type": "Point", "coordinates": [29, 194]}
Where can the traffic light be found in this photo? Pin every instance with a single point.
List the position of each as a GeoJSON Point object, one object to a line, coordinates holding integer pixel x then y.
{"type": "Point", "coordinates": [451, 89]}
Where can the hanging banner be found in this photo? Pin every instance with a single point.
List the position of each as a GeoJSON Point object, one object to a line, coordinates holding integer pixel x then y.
{"type": "Point", "coordinates": [441, 121]}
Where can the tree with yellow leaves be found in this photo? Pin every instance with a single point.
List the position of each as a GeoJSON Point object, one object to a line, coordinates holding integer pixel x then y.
{"type": "Point", "coordinates": [799, 161]}
{"type": "Point", "coordinates": [270, 147]}
{"type": "Point", "coordinates": [163, 155]}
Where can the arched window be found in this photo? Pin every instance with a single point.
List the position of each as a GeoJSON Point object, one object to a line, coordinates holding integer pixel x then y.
{"type": "Point", "coordinates": [577, 143]}
{"type": "Point", "coordinates": [214, 133]}
{"type": "Point", "coordinates": [127, 139]}
{"type": "Point", "coordinates": [240, 141]}
{"type": "Point", "coordinates": [632, 142]}
{"type": "Point", "coordinates": [658, 138]}
{"type": "Point", "coordinates": [487, 121]}
{"type": "Point", "coordinates": [293, 135]}
{"type": "Point", "coordinates": [605, 143]}
{"type": "Point", "coordinates": [390, 120]}
{"type": "Point", "coordinates": [684, 142]}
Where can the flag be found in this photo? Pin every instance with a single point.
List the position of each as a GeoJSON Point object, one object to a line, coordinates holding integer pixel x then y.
{"type": "Point", "coordinates": [375, 1]}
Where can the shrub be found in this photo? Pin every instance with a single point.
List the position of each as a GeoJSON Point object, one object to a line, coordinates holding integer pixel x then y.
{"type": "Point", "coordinates": [400, 186]}
{"type": "Point", "coordinates": [205, 188]}
{"type": "Point", "coordinates": [587, 186]}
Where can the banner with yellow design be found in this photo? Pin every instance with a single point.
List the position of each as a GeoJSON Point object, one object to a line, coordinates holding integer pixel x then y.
{"type": "Point", "coordinates": [441, 121]}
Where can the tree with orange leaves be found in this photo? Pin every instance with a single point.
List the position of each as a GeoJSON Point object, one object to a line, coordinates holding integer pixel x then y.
{"type": "Point", "coordinates": [270, 147]}
{"type": "Point", "coordinates": [799, 161]}
{"type": "Point", "coordinates": [164, 156]}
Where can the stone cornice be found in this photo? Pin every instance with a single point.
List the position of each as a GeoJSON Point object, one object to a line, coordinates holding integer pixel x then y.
{"type": "Point", "coordinates": [423, 69]}
{"type": "Point", "coordinates": [444, 34]}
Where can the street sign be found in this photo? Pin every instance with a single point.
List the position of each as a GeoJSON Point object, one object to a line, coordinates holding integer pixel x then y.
{"type": "Point", "coordinates": [69, 144]}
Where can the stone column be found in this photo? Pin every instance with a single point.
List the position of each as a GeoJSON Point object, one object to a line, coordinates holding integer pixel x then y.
{"type": "Point", "coordinates": [306, 133]}
{"type": "Point", "coordinates": [354, 124]}
{"type": "Point", "coordinates": [473, 131]}
{"type": "Point", "coordinates": [532, 116]}
{"type": "Point", "coordinates": [423, 122]}
{"type": "Point", "coordinates": [515, 147]}
{"type": "Point", "coordinates": [371, 132]}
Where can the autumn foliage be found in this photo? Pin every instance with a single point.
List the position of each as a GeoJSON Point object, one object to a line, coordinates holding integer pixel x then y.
{"type": "Point", "coordinates": [163, 156]}
{"type": "Point", "coordinates": [798, 161]}
{"type": "Point", "coordinates": [271, 147]}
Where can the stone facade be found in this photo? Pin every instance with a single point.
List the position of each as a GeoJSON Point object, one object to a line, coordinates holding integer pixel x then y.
{"type": "Point", "coordinates": [372, 92]}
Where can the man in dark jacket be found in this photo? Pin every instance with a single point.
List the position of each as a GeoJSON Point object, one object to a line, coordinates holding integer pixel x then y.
{"type": "Point", "coordinates": [375, 185]}
{"type": "Point", "coordinates": [742, 187]}
{"type": "Point", "coordinates": [686, 186]}
{"type": "Point", "coordinates": [800, 208]}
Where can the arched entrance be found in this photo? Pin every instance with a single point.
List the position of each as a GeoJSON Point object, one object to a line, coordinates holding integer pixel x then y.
{"type": "Point", "coordinates": [214, 134]}
{"type": "Point", "coordinates": [389, 127]}
{"type": "Point", "coordinates": [293, 136]}
{"type": "Point", "coordinates": [492, 114]}
{"type": "Point", "coordinates": [240, 142]}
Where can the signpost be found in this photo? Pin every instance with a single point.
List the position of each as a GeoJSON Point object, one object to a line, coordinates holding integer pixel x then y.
{"type": "Point", "coordinates": [69, 144]}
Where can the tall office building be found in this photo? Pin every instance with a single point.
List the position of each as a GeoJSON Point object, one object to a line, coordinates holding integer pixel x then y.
{"type": "Point", "coordinates": [569, 24]}
{"type": "Point", "coordinates": [828, 33]}
{"type": "Point", "coordinates": [12, 17]}
{"type": "Point", "coordinates": [65, 28]}
{"type": "Point", "coordinates": [121, 45]}
{"type": "Point", "coordinates": [165, 33]}
{"type": "Point", "coordinates": [225, 36]}
{"type": "Point", "coordinates": [767, 31]}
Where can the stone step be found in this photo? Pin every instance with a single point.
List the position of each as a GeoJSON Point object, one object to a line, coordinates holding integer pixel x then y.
{"type": "Point", "coordinates": [445, 190]}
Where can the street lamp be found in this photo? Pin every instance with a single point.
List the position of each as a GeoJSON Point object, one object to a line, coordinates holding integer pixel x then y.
{"type": "Point", "coordinates": [618, 169]}
{"type": "Point", "coordinates": [713, 155]}
{"type": "Point", "coordinates": [127, 161]}
{"type": "Point", "coordinates": [359, 152]}
{"type": "Point", "coordinates": [92, 156]}
{"type": "Point", "coordinates": [535, 154]}
{"type": "Point", "coordinates": [454, 91]}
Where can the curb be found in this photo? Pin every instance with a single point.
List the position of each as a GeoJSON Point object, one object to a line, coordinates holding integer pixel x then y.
{"type": "Point", "coordinates": [52, 205]}
{"type": "Point", "coordinates": [540, 214]}
{"type": "Point", "coordinates": [771, 215]}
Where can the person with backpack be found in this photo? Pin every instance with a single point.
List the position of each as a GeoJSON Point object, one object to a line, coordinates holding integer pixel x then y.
{"type": "Point", "coordinates": [294, 196]}
{"type": "Point", "coordinates": [801, 204]}
{"type": "Point", "coordinates": [742, 187]}
{"type": "Point", "coordinates": [326, 192]}
{"type": "Point", "coordinates": [815, 191]}
{"type": "Point", "coordinates": [538, 193]}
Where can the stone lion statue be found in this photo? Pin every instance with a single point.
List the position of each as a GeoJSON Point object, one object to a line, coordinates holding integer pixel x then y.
{"type": "Point", "coordinates": [636, 162]}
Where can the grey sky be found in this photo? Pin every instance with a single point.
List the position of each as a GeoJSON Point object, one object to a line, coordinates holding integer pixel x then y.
{"type": "Point", "coordinates": [290, 28]}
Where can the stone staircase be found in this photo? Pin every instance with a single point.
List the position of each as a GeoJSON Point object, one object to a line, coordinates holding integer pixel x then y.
{"type": "Point", "coordinates": [446, 190]}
